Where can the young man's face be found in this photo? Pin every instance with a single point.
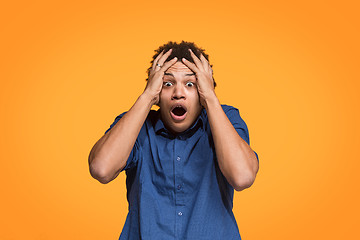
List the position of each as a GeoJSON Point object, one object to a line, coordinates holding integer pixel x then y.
{"type": "Point", "coordinates": [179, 99]}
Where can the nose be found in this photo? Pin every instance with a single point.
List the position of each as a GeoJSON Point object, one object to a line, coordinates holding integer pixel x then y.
{"type": "Point", "coordinates": [179, 92]}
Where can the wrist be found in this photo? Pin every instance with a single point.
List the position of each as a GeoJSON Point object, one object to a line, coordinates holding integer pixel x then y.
{"type": "Point", "coordinates": [149, 97]}
{"type": "Point", "coordinates": [210, 100]}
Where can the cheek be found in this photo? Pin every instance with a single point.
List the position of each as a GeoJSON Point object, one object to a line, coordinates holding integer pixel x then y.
{"type": "Point", "coordinates": [164, 94]}
{"type": "Point", "coordinates": [164, 97]}
{"type": "Point", "coordinates": [194, 94]}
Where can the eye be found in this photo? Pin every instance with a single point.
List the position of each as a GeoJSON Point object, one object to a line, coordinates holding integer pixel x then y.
{"type": "Point", "coordinates": [167, 84]}
{"type": "Point", "coordinates": [189, 84]}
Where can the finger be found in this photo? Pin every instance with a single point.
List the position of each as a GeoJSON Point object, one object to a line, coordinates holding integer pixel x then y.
{"type": "Point", "coordinates": [158, 65]}
{"type": "Point", "coordinates": [196, 60]}
{"type": "Point", "coordinates": [168, 64]}
{"type": "Point", "coordinates": [164, 57]}
{"type": "Point", "coordinates": [205, 62]}
{"type": "Point", "coordinates": [156, 59]}
{"type": "Point", "coordinates": [191, 65]}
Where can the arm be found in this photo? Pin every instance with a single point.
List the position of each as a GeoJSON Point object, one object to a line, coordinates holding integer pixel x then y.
{"type": "Point", "coordinates": [109, 155]}
{"type": "Point", "coordinates": [237, 161]}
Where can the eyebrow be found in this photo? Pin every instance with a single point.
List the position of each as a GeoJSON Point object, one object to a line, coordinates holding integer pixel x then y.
{"type": "Point", "coordinates": [188, 74]}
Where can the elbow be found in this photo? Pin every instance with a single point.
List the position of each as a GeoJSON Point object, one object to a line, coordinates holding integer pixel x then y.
{"type": "Point", "coordinates": [245, 179]}
{"type": "Point", "coordinates": [244, 182]}
{"type": "Point", "coordinates": [104, 179]}
{"type": "Point", "coordinates": [99, 174]}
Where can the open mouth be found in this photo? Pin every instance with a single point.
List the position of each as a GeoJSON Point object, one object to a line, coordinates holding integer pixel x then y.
{"type": "Point", "coordinates": [178, 112]}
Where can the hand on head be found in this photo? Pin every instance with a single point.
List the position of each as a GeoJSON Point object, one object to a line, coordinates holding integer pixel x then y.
{"type": "Point", "coordinates": [155, 82]}
{"type": "Point", "coordinates": [204, 76]}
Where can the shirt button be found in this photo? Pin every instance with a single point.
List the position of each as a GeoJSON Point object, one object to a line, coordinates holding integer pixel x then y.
{"type": "Point", "coordinates": [178, 158]}
{"type": "Point", "coordinates": [180, 213]}
{"type": "Point", "coordinates": [179, 187]}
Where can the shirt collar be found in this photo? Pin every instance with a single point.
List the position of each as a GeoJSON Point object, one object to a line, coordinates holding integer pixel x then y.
{"type": "Point", "coordinates": [161, 129]}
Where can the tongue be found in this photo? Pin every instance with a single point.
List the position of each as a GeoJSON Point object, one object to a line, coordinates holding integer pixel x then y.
{"type": "Point", "coordinates": [179, 111]}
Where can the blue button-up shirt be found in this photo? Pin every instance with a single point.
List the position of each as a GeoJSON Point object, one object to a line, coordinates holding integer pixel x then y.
{"type": "Point", "coordinates": [175, 188]}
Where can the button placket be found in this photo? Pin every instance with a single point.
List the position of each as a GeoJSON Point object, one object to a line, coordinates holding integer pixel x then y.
{"type": "Point", "coordinates": [178, 184]}
{"type": "Point", "coordinates": [178, 165]}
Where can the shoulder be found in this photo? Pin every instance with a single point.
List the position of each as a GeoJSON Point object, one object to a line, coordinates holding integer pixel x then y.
{"type": "Point", "coordinates": [237, 121]}
{"type": "Point", "coordinates": [232, 113]}
{"type": "Point", "coordinates": [228, 108]}
{"type": "Point", "coordinates": [225, 108]}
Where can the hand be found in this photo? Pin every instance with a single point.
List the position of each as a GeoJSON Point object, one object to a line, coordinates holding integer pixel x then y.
{"type": "Point", "coordinates": [204, 76]}
{"type": "Point", "coordinates": [155, 81]}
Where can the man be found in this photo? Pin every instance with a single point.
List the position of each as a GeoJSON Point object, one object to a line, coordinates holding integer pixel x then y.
{"type": "Point", "coordinates": [182, 161]}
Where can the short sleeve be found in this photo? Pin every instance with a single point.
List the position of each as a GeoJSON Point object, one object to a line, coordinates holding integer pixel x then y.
{"type": "Point", "coordinates": [135, 152]}
{"type": "Point", "coordinates": [238, 123]}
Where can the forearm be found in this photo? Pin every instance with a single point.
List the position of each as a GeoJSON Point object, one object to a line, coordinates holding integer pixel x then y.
{"type": "Point", "coordinates": [110, 153]}
{"type": "Point", "coordinates": [237, 161]}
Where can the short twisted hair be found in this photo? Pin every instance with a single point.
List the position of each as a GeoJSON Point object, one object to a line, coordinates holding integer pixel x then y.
{"type": "Point", "coordinates": [179, 50]}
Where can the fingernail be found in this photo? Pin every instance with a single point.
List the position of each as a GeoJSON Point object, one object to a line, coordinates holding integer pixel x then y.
{"type": "Point", "coordinates": [184, 59]}
{"type": "Point", "coordinates": [174, 58]}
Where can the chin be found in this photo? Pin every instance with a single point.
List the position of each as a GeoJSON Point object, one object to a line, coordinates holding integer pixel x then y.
{"type": "Point", "coordinates": [176, 127]}
{"type": "Point", "coordinates": [179, 129]}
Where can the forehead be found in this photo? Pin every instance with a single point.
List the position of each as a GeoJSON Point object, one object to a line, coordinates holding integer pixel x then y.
{"type": "Point", "coordinates": [178, 67]}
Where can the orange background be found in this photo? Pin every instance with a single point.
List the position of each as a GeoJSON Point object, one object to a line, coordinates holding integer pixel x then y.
{"type": "Point", "coordinates": [69, 68]}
